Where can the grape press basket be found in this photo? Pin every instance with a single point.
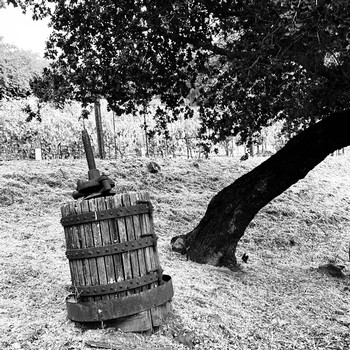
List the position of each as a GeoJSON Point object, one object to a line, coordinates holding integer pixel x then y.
{"type": "Point", "coordinates": [115, 272]}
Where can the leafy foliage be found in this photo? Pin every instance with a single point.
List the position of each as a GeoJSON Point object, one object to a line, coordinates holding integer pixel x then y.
{"type": "Point", "coordinates": [246, 63]}
{"type": "Point", "coordinates": [17, 68]}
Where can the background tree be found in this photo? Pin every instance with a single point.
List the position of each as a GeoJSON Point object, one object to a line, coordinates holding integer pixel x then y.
{"type": "Point", "coordinates": [17, 68]}
{"type": "Point", "coordinates": [245, 63]}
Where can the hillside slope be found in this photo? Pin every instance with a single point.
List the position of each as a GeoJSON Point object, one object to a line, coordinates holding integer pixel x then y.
{"type": "Point", "coordinates": [278, 300]}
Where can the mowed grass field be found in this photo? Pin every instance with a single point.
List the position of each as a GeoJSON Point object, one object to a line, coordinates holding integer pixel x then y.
{"type": "Point", "coordinates": [278, 300]}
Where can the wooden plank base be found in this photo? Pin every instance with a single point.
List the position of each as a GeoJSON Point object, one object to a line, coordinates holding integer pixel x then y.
{"type": "Point", "coordinates": [147, 321]}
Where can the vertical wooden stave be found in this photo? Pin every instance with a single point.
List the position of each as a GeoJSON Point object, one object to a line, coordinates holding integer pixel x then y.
{"type": "Point", "coordinates": [84, 244]}
{"type": "Point", "coordinates": [144, 231]}
{"type": "Point", "coordinates": [130, 232]}
{"type": "Point", "coordinates": [70, 245]}
{"type": "Point", "coordinates": [76, 244]}
{"type": "Point", "coordinates": [138, 232]}
{"type": "Point", "coordinates": [106, 240]}
{"type": "Point", "coordinates": [155, 259]}
{"type": "Point", "coordinates": [100, 261]}
{"type": "Point", "coordinates": [157, 313]}
{"type": "Point", "coordinates": [90, 242]}
{"type": "Point", "coordinates": [149, 230]}
{"type": "Point", "coordinates": [117, 258]}
{"type": "Point", "coordinates": [144, 319]}
{"type": "Point", "coordinates": [123, 238]}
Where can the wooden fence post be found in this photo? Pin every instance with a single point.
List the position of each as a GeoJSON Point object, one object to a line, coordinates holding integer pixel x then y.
{"type": "Point", "coordinates": [101, 148]}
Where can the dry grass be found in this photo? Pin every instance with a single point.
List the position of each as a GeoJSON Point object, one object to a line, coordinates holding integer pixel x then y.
{"type": "Point", "coordinates": [276, 301]}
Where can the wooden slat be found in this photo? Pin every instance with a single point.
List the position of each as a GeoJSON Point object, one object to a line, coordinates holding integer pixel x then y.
{"type": "Point", "coordinates": [100, 262]}
{"type": "Point", "coordinates": [138, 232]}
{"type": "Point", "coordinates": [147, 228]}
{"type": "Point", "coordinates": [158, 313]}
{"type": "Point", "coordinates": [75, 241]}
{"type": "Point", "coordinates": [90, 242]}
{"type": "Point", "coordinates": [149, 218]}
{"type": "Point", "coordinates": [117, 258]}
{"type": "Point", "coordinates": [123, 238]}
{"type": "Point", "coordinates": [106, 240]}
{"type": "Point", "coordinates": [145, 317]}
{"type": "Point", "coordinates": [130, 232]}
{"type": "Point", "coordinates": [69, 244]}
{"type": "Point", "coordinates": [84, 244]}
{"type": "Point", "coordinates": [144, 231]}
{"type": "Point", "coordinates": [152, 262]}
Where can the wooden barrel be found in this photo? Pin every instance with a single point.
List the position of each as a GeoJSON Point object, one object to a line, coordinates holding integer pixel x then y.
{"type": "Point", "coordinates": [115, 271]}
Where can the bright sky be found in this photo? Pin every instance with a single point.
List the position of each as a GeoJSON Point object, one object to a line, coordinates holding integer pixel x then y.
{"type": "Point", "coordinates": [20, 30]}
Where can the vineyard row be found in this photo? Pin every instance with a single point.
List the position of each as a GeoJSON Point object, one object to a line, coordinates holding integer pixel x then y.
{"type": "Point", "coordinates": [58, 135]}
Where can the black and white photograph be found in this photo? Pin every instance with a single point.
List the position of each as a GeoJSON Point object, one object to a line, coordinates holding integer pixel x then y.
{"type": "Point", "coordinates": [175, 174]}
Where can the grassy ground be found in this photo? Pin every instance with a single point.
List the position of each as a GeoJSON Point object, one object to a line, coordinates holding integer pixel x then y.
{"type": "Point", "coordinates": [278, 300]}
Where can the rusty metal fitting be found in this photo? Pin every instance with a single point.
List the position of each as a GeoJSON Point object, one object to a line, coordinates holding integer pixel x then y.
{"type": "Point", "coordinates": [98, 185]}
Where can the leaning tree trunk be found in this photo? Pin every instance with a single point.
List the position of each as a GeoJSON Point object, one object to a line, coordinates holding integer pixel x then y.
{"type": "Point", "coordinates": [215, 239]}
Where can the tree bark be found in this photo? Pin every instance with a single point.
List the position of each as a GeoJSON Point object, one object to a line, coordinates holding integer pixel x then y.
{"type": "Point", "coordinates": [229, 212]}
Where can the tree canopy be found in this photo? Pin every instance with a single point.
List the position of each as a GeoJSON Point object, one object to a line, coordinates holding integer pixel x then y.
{"type": "Point", "coordinates": [245, 63]}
